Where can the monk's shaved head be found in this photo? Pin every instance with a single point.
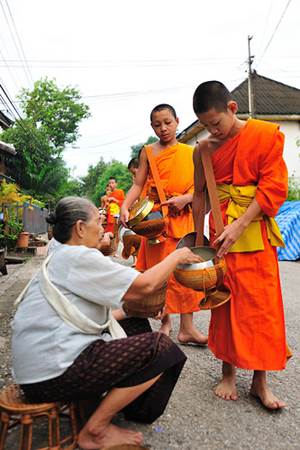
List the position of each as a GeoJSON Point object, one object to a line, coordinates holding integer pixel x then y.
{"type": "Point", "coordinates": [161, 107]}
{"type": "Point", "coordinates": [211, 94]}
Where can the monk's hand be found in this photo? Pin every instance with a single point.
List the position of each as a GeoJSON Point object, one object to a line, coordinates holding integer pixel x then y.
{"type": "Point", "coordinates": [176, 204]}
{"type": "Point", "coordinates": [124, 216]}
{"type": "Point", "coordinates": [229, 236]}
{"type": "Point", "coordinates": [186, 256]}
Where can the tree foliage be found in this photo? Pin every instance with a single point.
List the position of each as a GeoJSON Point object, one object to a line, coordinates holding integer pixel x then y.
{"type": "Point", "coordinates": [57, 112]}
{"type": "Point", "coordinates": [90, 181]}
{"type": "Point", "coordinates": [135, 149]}
{"type": "Point", "coordinates": [52, 117]}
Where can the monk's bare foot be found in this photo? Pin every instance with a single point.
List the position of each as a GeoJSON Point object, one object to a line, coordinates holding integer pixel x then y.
{"type": "Point", "coordinates": [166, 325]}
{"type": "Point", "coordinates": [260, 390]}
{"type": "Point", "coordinates": [107, 437]}
{"type": "Point", "coordinates": [226, 389]}
{"type": "Point", "coordinates": [192, 337]}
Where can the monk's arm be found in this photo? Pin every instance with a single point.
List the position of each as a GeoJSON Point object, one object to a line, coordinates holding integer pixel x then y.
{"type": "Point", "coordinates": [235, 229]}
{"type": "Point", "coordinates": [136, 188]}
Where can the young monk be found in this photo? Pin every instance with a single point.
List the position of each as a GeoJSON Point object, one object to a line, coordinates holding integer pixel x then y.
{"type": "Point", "coordinates": [247, 332]}
{"type": "Point", "coordinates": [133, 166]}
{"type": "Point", "coordinates": [175, 167]}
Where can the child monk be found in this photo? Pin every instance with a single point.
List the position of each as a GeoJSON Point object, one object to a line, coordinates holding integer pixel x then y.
{"type": "Point", "coordinates": [175, 167]}
{"type": "Point", "coordinates": [247, 332]}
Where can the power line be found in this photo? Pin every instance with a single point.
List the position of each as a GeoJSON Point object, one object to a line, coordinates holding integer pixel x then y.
{"type": "Point", "coordinates": [19, 40]}
{"type": "Point", "coordinates": [20, 54]}
{"type": "Point", "coordinates": [275, 29]}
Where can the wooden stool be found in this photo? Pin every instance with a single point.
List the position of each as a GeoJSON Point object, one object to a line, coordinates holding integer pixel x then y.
{"type": "Point", "coordinates": [14, 411]}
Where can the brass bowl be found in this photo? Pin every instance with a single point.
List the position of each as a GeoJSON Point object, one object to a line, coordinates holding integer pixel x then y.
{"type": "Point", "coordinates": [200, 276]}
{"type": "Point", "coordinates": [150, 228]}
{"type": "Point", "coordinates": [139, 211]}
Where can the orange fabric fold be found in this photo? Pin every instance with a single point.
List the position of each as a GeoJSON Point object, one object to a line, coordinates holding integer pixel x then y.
{"type": "Point", "coordinates": [249, 331]}
{"type": "Point", "coordinates": [176, 171]}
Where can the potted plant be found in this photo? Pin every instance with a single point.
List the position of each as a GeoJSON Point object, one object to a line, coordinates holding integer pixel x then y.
{"type": "Point", "coordinates": [12, 228]}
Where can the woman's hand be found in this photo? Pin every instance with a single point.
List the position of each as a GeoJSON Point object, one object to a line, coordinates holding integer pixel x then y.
{"type": "Point", "coordinates": [186, 256]}
{"type": "Point", "coordinates": [229, 236]}
{"type": "Point", "coordinates": [124, 216]}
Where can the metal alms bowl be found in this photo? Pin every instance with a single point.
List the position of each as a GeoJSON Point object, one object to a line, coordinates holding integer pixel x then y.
{"type": "Point", "coordinates": [200, 276]}
{"type": "Point", "coordinates": [139, 211]}
{"type": "Point", "coordinates": [206, 253]}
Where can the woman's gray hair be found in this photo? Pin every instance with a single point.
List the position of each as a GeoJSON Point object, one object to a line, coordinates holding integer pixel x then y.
{"type": "Point", "coordinates": [68, 210]}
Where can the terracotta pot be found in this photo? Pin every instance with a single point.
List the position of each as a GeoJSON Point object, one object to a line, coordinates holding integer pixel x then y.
{"type": "Point", "coordinates": [23, 240]}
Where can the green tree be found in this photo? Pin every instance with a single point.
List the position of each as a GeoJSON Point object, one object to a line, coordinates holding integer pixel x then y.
{"type": "Point", "coordinates": [51, 121]}
{"type": "Point", "coordinates": [113, 169]}
{"type": "Point", "coordinates": [135, 149]}
{"type": "Point", "coordinates": [57, 112]}
{"type": "Point", "coordinates": [90, 180]}
{"type": "Point", "coordinates": [72, 186]}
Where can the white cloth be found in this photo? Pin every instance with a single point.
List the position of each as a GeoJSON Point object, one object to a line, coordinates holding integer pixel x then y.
{"type": "Point", "coordinates": [44, 345]}
{"type": "Point", "coordinates": [68, 312]}
{"type": "Point", "coordinates": [53, 245]}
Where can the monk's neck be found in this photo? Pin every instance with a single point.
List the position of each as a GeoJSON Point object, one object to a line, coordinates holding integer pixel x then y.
{"type": "Point", "coordinates": [238, 125]}
{"type": "Point", "coordinates": [160, 146]}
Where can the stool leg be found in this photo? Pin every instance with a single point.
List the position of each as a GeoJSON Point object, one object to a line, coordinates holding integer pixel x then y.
{"type": "Point", "coordinates": [54, 429]}
{"type": "Point", "coordinates": [4, 428]}
{"type": "Point", "coordinates": [73, 420]}
{"type": "Point", "coordinates": [26, 433]}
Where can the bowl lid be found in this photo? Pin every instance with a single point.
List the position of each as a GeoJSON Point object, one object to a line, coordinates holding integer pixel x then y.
{"type": "Point", "coordinates": [139, 211]}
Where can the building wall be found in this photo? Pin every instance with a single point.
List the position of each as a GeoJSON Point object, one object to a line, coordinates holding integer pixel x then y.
{"type": "Point", "coordinates": [291, 152]}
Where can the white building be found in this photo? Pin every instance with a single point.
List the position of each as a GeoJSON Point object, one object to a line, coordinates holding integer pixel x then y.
{"type": "Point", "coordinates": [274, 102]}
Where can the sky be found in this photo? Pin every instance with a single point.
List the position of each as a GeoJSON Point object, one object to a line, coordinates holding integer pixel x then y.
{"type": "Point", "coordinates": [125, 57]}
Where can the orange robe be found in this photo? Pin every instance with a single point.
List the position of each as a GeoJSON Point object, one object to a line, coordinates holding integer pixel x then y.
{"type": "Point", "coordinates": [249, 331]}
{"type": "Point", "coordinates": [119, 195]}
{"type": "Point", "coordinates": [176, 171]}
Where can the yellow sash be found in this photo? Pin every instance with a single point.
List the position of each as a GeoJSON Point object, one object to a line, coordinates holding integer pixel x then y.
{"type": "Point", "coordinates": [240, 197]}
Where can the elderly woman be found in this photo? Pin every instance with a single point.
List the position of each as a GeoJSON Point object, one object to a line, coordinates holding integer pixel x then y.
{"type": "Point", "coordinates": [66, 344]}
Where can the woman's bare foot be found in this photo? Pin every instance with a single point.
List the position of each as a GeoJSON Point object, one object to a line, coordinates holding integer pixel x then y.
{"type": "Point", "coordinates": [260, 390]}
{"type": "Point", "coordinates": [107, 437]}
{"type": "Point", "coordinates": [226, 389]}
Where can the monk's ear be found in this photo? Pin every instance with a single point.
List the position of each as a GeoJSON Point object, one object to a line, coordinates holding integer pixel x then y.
{"type": "Point", "coordinates": [232, 106]}
{"type": "Point", "coordinates": [177, 120]}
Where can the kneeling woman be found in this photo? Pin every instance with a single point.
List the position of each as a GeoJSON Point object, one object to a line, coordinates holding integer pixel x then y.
{"type": "Point", "coordinates": [66, 344]}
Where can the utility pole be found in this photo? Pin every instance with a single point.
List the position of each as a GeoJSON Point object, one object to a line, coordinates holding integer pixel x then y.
{"type": "Point", "coordinates": [250, 85]}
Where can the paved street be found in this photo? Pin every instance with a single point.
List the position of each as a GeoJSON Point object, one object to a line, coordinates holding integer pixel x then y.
{"type": "Point", "coordinates": [195, 418]}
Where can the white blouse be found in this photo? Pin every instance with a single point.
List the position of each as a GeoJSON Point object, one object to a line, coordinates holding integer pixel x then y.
{"type": "Point", "coordinates": [43, 345]}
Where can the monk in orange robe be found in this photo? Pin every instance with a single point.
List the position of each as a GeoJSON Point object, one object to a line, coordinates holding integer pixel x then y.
{"type": "Point", "coordinates": [175, 167]}
{"type": "Point", "coordinates": [247, 332]}
{"type": "Point", "coordinates": [114, 199]}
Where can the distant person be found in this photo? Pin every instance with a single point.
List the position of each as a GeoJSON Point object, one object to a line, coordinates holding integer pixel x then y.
{"type": "Point", "coordinates": [111, 201]}
{"type": "Point", "coordinates": [175, 168]}
{"type": "Point", "coordinates": [116, 195]}
{"type": "Point", "coordinates": [133, 166]}
{"type": "Point", "coordinates": [247, 332]}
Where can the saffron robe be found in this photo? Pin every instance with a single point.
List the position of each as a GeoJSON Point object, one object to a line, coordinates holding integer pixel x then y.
{"type": "Point", "coordinates": [117, 194]}
{"type": "Point", "coordinates": [176, 172]}
{"type": "Point", "coordinates": [249, 330]}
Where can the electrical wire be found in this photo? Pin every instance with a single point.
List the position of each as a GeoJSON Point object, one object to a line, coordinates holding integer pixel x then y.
{"type": "Point", "coordinates": [275, 30]}
{"type": "Point", "coordinates": [17, 42]}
